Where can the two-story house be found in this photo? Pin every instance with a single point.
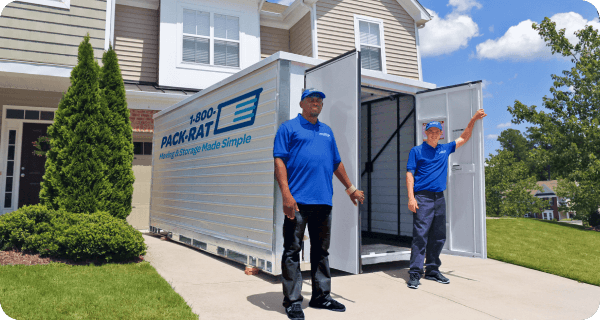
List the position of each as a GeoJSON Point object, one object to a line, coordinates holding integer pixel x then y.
{"type": "Point", "coordinates": [548, 194]}
{"type": "Point", "coordinates": [170, 49]}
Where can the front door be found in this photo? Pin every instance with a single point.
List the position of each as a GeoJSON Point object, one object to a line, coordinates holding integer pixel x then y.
{"type": "Point", "coordinates": [32, 166]}
{"type": "Point", "coordinates": [339, 79]}
{"type": "Point", "coordinates": [465, 195]}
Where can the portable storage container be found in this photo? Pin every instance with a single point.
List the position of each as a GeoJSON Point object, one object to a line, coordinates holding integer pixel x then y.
{"type": "Point", "coordinates": [213, 184]}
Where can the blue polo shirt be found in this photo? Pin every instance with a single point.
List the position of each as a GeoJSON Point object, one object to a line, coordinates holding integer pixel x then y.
{"type": "Point", "coordinates": [430, 165]}
{"type": "Point", "coordinates": [311, 156]}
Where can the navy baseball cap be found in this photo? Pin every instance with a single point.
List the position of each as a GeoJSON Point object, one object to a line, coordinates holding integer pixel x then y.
{"type": "Point", "coordinates": [310, 92]}
{"type": "Point", "coordinates": [434, 124]}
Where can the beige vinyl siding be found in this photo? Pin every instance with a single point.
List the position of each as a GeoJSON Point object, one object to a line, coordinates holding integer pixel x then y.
{"type": "Point", "coordinates": [273, 7]}
{"type": "Point", "coordinates": [301, 37]}
{"type": "Point", "coordinates": [136, 42]}
{"type": "Point", "coordinates": [273, 40]}
{"type": "Point", "coordinates": [29, 98]}
{"type": "Point", "coordinates": [335, 32]}
{"type": "Point", "coordinates": [42, 34]}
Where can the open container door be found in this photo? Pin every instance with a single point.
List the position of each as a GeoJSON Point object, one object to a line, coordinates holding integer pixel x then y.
{"type": "Point", "coordinates": [339, 78]}
{"type": "Point", "coordinates": [465, 194]}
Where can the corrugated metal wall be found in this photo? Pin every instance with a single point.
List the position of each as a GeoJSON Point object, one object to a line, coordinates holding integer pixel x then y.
{"type": "Point", "coordinates": [36, 33]}
{"type": "Point", "coordinates": [301, 37]}
{"type": "Point", "coordinates": [136, 42]}
{"type": "Point", "coordinates": [223, 195]}
{"type": "Point", "coordinates": [335, 32]}
{"type": "Point", "coordinates": [273, 40]}
{"type": "Point", "coordinates": [384, 194]}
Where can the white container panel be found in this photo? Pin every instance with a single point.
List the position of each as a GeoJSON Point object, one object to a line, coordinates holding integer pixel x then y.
{"type": "Point", "coordinates": [216, 184]}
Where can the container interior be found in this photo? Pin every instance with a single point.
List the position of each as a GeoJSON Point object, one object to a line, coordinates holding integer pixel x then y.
{"type": "Point", "coordinates": [387, 135]}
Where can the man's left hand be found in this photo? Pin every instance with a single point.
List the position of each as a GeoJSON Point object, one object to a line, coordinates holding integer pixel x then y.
{"type": "Point", "coordinates": [357, 195]}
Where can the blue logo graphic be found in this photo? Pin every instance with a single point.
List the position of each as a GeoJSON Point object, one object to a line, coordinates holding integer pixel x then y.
{"type": "Point", "coordinates": [238, 112]}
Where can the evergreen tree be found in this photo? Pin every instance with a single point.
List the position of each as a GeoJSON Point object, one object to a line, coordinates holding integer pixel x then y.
{"type": "Point", "coordinates": [76, 164]}
{"type": "Point", "coordinates": [120, 172]}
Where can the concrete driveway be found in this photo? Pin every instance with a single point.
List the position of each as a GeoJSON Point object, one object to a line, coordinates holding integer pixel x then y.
{"type": "Point", "coordinates": [216, 288]}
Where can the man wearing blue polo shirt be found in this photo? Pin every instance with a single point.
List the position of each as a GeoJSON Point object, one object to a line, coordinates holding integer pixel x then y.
{"type": "Point", "coordinates": [427, 169]}
{"type": "Point", "coordinates": [306, 157]}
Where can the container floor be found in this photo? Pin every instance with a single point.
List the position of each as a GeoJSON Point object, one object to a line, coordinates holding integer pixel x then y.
{"type": "Point", "coordinates": [377, 243]}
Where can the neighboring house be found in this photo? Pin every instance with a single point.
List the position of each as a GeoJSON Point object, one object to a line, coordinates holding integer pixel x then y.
{"type": "Point", "coordinates": [548, 194]}
{"type": "Point", "coordinates": [171, 49]}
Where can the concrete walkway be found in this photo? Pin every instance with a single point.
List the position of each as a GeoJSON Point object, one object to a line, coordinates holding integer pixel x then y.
{"type": "Point", "coordinates": [216, 288]}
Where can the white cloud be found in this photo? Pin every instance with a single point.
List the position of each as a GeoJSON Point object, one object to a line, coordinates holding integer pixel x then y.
{"type": "Point", "coordinates": [485, 83]}
{"type": "Point", "coordinates": [522, 42]}
{"type": "Point", "coordinates": [571, 89]}
{"type": "Point", "coordinates": [285, 2]}
{"type": "Point", "coordinates": [504, 125]}
{"type": "Point", "coordinates": [446, 35]}
{"type": "Point", "coordinates": [491, 28]}
{"type": "Point", "coordinates": [491, 136]}
{"type": "Point", "coordinates": [464, 5]}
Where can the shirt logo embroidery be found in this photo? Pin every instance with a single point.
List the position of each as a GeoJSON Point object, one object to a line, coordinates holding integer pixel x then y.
{"type": "Point", "coordinates": [443, 151]}
{"type": "Point", "coordinates": [324, 134]}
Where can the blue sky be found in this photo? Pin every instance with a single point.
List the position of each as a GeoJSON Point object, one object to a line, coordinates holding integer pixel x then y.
{"type": "Point", "coordinates": [493, 41]}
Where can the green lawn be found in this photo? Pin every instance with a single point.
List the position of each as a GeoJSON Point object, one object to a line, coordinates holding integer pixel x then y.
{"type": "Point", "coordinates": [562, 249]}
{"type": "Point", "coordinates": [110, 291]}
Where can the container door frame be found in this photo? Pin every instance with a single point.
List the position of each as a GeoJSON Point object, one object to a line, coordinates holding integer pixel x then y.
{"type": "Point", "coordinates": [336, 78]}
{"type": "Point", "coordinates": [466, 228]}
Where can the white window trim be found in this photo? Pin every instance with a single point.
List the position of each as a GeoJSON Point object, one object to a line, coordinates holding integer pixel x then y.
{"type": "Point", "coordinates": [357, 19]}
{"type": "Point", "coordinates": [64, 4]}
{"type": "Point", "coordinates": [208, 67]}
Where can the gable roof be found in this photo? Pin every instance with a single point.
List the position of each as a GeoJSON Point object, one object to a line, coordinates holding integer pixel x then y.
{"type": "Point", "coordinates": [548, 188]}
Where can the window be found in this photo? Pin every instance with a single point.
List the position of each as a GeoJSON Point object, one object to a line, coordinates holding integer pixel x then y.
{"type": "Point", "coordinates": [142, 148]}
{"type": "Point", "coordinates": [210, 38]}
{"type": "Point", "coordinates": [369, 39]}
{"type": "Point", "coordinates": [66, 4]}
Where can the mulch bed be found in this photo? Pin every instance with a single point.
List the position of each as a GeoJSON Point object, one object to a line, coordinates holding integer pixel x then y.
{"type": "Point", "coordinates": [14, 257]}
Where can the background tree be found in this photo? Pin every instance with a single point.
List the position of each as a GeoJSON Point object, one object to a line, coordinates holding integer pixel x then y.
{"type": "Point", "coordinates": [508, 183]}
{"type": "Point", "coordinates": [76, 164]}
{"type": "Point", "coordinates": [512, 140]}
{"type": "Point", "coordinates": [119, 170]}
{"type": "Point", "coordinates": [570, 122]}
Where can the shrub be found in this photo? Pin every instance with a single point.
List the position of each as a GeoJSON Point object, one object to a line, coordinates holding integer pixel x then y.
{"type": "Point", "coordinates": [61, 234]}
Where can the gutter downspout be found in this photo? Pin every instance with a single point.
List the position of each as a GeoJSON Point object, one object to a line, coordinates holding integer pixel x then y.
{"type": "Point", "coordinates": [313, 27]}
{"type": "Point", "coordinates": [260, 5]}
{"type": "Point", "coordinates": [109, 24]}
{"type": "Point", "coordinates": [418, 51]}
{"type": "Point", "coordinates": [112, 23]}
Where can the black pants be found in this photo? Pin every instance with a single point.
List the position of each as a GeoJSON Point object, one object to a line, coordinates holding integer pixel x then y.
{"type": "Point", "coordinates": [318, 218]}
